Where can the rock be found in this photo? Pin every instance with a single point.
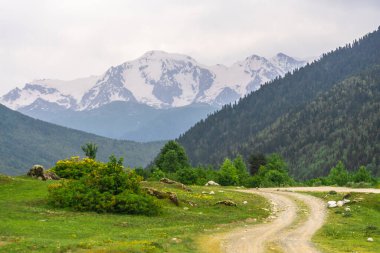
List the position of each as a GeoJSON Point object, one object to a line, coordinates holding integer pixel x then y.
{"type": "Point", "coordinates": [340, 203]}
{"type": "Point", "coordinates": [226, 203]}
{"type": "Point", "coordinates": [50, 175]}
{"type": "Point", "coordinates": [173, 198]}
{"type": "Point", "coordinates": [369, 239]}
{"type": "Point", "coordinates": [185, 208]}
{"type": "Point", "coordinates": [345, 201]}
{"type": "Point", "coordinates": [212, 183]}
{"type": "Point", "coordinates": [178, 184]}
{"type": "Point", "coordinates": [347, 209]}
{"type": "Point", "coordinates": [331, 204]}
{"type": "Point", "coordinates": [38, 171]}
{"type": "Point", "coordinates": [212, 193]}
{"type": "Point", "coordinates": [245, 202]}
{"type": "Point", "coordinates": [162, 195]}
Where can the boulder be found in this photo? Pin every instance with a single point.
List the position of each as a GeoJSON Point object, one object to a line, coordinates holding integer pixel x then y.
{"type": "Point", "coordinates": [38, 171]}
{"type": "Point", "coordinates": [345, 201]}
{"type": "Point", "coordinates": [212, 183]}
{"type": "Point", "coordinates": [331, 204]}
{"type": "Point", "coordinates": [212, 193]}
{"type": "Point", "coordinates": [226, 203]}
{"type": "Point", "coordinates": [369, 239]}
{"type": "Point", "coordinates": [340, 203]}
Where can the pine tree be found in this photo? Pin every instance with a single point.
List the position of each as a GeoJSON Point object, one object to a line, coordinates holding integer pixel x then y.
{"type": "Point", "coordinates": [90, 150]}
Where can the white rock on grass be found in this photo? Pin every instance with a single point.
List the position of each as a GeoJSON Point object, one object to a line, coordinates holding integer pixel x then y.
{"type": "Point", "coordinates": [369, 239]}
{"type": "Point", "coordinates": [212, 192]}
{"type": "Point", "coordinates": [347, 209]}
{"type": "Point", "coordinates": [211, 183]}
{"type": "Point", "coordinates": [331, 204]}
{"type": "Point", "coordinates": [245, 202]}
{"type": "Point", "coordinates": [345, 201]}
{"type": "Point", "coordinates": [340, 203]}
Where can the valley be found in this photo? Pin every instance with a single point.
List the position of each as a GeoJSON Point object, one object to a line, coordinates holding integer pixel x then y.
{"type": "Point", "coordinates": [159, 131]}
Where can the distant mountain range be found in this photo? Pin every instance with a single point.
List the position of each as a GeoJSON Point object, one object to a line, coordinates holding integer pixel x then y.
{"type": "Point", "coordinates": [327, 111]}
{"type": "Point", "coordinates": [25, 141]}
{"type": "Point", "coordinates": [146, 95]}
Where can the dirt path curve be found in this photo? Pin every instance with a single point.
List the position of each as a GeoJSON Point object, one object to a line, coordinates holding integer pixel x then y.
{"type": "Point", "coordinates": [286, 231]}
{"type": "Point", "coordinates": [281, 231]}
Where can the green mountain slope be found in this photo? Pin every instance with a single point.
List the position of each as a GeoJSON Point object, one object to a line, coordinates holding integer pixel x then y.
{"type": "Point", "coordinates": [25, 141]}
{"type": "Point", "coordinates": [341, 124]}
{"type": "Point", "coordinates": [234, 128]}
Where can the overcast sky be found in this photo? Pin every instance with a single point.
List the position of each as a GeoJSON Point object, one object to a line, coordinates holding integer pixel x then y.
{"type": "Point", "coordinates": [67, 39]}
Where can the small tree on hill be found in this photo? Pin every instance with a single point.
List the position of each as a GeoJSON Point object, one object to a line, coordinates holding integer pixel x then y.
{"type": "Point", "coordinates": [90, 150]}
{"type": "Point", "coordinates": [172, 158]}
{"type": "Point", "coordinates": [228, 174]}
{"type": "Point", "coordinates": [338, 175]}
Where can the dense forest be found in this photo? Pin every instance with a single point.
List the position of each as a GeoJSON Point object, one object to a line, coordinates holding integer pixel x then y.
{"type": "Point", "coordinates": [261, 122]}
{"type": "Point", "coordinates": [25, 141]}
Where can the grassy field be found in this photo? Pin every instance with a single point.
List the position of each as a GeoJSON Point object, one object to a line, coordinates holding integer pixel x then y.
{"type": "Point", "coordinates": [347, 231]}
{"type": "Point", "coordinates": [28, 224]}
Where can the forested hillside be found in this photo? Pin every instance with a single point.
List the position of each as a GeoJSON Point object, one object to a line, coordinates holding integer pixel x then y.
{"type": "Point", "coordinates": [341, 124]}
{"type": "Point", "coordinates": [239, 128]}
{"type": "Point", "coordinates": [25, 141]}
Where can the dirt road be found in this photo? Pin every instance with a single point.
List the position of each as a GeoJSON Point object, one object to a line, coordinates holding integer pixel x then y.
{"type": "Point", "coordinates": [295, 218]}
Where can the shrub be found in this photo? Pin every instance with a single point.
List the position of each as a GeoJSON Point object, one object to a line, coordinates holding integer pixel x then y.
{"type": "Point", "coordinates": [338, 175]}
{"type": "Point", "coordinates": [106, 188]}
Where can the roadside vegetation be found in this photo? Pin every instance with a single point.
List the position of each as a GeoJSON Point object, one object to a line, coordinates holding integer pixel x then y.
{"type": "Point", "coordinates": [258, 171]}
{"type": "Point", "coordinates": [348, 228]}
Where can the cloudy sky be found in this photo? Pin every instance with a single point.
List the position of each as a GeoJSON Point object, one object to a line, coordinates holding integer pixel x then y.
{"type": "Point", "coordinates": [66, 39]}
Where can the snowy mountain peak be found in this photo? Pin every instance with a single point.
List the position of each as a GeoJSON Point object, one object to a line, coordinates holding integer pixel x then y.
{"type": "Point", "coordinates": [158, 79]}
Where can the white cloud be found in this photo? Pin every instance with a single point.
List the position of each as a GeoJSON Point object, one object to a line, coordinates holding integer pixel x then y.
{"type": "Point", "coordinates": [75, 38]}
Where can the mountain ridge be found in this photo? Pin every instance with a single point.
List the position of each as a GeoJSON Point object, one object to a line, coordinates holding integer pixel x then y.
{"type": "Point", "coordinates": [235, 128]}
{"type": "Point", "coordinates": [158, 79]}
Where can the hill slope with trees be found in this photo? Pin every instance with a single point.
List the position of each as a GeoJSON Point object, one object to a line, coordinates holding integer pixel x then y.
{"type": "Point", "coordinates": [238, 128]}
{"type": "Point", "coordinates": [25, 141]}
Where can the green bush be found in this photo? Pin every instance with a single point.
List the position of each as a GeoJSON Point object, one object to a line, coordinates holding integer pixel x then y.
{"type": "Point", "coordinates": [196, 176]}
{"type": "Point", "coordinates": [106, 188]}
{"type": "Point", "coordinates": [228, 175]}
{"type": "Point", "coordinates": [273, 173]}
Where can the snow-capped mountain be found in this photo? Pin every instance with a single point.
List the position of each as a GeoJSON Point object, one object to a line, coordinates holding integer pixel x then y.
{"type": "Point", "coordinates": [157, 79]}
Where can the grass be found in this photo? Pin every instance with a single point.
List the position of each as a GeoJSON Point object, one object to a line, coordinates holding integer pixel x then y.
{"type": "Point", "coordinates": [348, 231]}
{"type": "Point", "coordinates": [29, 224]}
